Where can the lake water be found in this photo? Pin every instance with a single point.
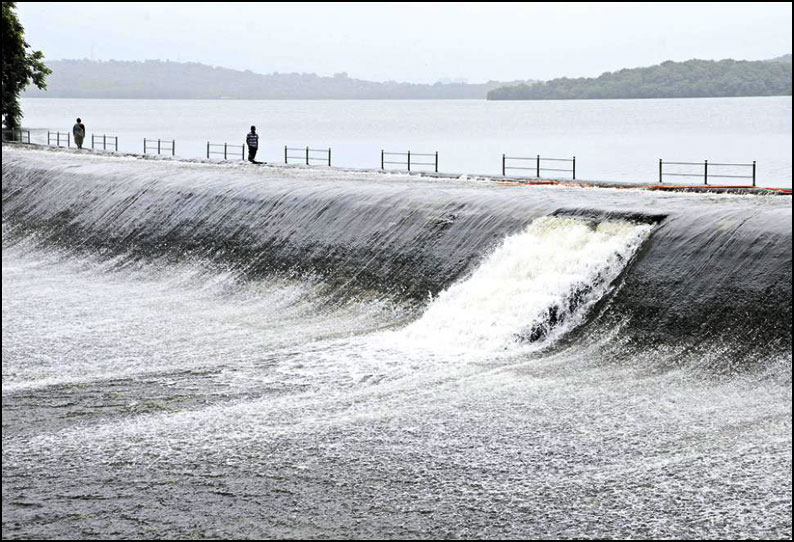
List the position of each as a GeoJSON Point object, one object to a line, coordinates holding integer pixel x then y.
{"type": "Point", "coordinates": [613, 140]}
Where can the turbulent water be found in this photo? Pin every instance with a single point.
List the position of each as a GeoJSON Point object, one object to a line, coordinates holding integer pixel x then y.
{"type": "Point", "coordinates": [201, 350]}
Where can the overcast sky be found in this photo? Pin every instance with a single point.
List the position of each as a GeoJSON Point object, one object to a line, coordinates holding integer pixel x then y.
{"type": "Point", "coordinates": [421, 42]}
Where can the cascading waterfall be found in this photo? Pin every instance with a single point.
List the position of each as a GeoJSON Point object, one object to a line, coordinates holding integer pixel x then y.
{"type": "Point", "coordinates": [715, 268]}
{"type": "Point", "coordinates": [533, 286]}
{"type": "Point", "coordinates": [226, 351]}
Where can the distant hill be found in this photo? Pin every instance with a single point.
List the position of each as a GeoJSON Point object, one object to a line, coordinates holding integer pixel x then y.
{"type": "Point", "coordinates": [781, 58]}
{"type": "Point", "coordinates": [690, 79]}
{"type": "Point", "coordinates": [158, 79]}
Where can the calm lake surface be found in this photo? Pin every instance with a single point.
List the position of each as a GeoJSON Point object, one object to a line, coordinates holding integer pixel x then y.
{"type": "Point", "coordinates": [613, 140]}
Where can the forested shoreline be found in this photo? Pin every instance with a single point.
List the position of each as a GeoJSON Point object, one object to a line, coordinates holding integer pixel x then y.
{"type": "Point", "coordinates": [690, 79]}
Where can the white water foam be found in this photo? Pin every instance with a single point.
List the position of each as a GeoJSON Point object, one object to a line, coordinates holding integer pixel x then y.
{"type": "Point", "coordinates": [538, 284]}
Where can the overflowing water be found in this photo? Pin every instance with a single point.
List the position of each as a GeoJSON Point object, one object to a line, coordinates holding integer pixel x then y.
{"type": "Point", "coordinates": [540, 280]}
{"type": "Point", "coordinates": [196, 350]}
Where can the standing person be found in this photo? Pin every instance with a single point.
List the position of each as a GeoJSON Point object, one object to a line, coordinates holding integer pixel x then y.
{"type": "Point", "coordinates": [252, 140]}
{"type": "Point", "coordinates": [78, 130]}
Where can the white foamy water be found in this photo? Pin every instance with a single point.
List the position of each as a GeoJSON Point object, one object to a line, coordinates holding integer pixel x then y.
{"type": "Point", "coordinates": [170, 401]}
{"type": "Point", "coordinates": [170, 395]}
{"type": "Point", "coordinates": [544, 278]}
{"type": "Point", "coordinates": [75, 321]}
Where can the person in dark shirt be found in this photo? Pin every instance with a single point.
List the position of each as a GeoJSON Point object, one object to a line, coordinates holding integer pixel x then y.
{"type": "Point", "coordinates": [78, 131]}
{"type": "Point", "coordinates": [252, 140]}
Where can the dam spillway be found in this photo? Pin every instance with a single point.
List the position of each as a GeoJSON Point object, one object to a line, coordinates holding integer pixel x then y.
{"type": "Point", "coordinates": [345, 349]}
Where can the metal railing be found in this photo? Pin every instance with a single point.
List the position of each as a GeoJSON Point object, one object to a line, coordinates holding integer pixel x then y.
{"type": "Point", "coordinates": [16, 135]}
{"type": "Point", "coordinates": [538, 159]}
{"type": "Point", "coordinates": [162, 145]}
{"type": "Point", "coordinates": [223, 148]}
{"type": "Point", "coordinates": [105, 140]}
{"type": "Point", "coordinates": [57, 138]}
{"type": "Point", "coordinates": [307, 155]}
{"type": "Point", "coordinates": [705, 173]}
{"type": "Point", "coordinates": [705, 170]}
{"type": "Point", "coordinates": [408, 162]}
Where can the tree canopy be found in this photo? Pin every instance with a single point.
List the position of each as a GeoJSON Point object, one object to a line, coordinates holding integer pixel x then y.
{"type": "Point", "coordinates": [21, 66]}
{"type": "Point", "coordinates": [690, 79]}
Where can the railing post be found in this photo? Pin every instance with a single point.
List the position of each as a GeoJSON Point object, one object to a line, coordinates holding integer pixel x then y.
{"type": "Point", "coordinates": [158, 146]}
{"type": "Point", "coordinates": [329, 156]}
{"type": "Point", "coordinates": [68, 139]}
{"type": "Point", "coordinates": [224, 150]}
{"type": "Point", "coordinates": [753, 173]}
{"type": "Point", "coordinates": [503, 165]}
{"type": "Point", "coordinates": [574, 168]}
{"type": "Point", "coordinates": [660, 171]}
{"type": "Point", "coordinates": [104, 142]}
{"type": "Point", "coordinates": [242, 152]}
{"type": "Point", "coordinates": [436, 161]}
{"type": "Point", "coordinates": [57, 139]}
{"type": "Point", "coordinates": [307, 156]}
{"type": "Point", "coordinates": [208, 150]}
{"type": "Point", "coordinates": [537, 167]}
{"type": "Point", "coordinates": [285, 155]}
{"type": "Point", "coordinates": [706, 172]}
{"type": "Point", "coordinates": [173, 147]}
{"type": "Point", "coordinates": [409, 161]}
{"type": "Point", "coordinates": [381, 160]}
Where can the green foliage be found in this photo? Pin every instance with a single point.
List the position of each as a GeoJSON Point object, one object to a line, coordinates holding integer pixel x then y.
{"type": "Point", "coordinates": [21, 66]}
{"type": "Point", "coordinates": [690, 79]}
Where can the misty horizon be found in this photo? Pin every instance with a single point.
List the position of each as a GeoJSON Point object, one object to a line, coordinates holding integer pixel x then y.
{"type": "Point", "coordinates": [414, 43]}
{"type": "Point", "coordinates": [346, 75]}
